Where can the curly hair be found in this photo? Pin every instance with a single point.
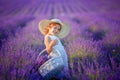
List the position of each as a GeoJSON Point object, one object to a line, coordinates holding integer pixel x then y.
{"type": "Point", "coordinates": [46, 30]}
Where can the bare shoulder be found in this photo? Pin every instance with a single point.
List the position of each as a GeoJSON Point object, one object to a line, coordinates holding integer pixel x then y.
{"type": "Point", "coordinates": [47, 38]}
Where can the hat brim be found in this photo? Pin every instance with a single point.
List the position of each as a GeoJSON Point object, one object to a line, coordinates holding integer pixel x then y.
{"type": "Point", "coordinates": [64, 30]}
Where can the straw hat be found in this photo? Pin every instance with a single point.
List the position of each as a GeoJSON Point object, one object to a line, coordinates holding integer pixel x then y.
{"type": "Point", "coordinates": [63, 32]}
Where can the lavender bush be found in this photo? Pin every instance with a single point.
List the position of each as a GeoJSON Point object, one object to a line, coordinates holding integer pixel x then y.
{"type": "Point", "coordinates": [93, 45]}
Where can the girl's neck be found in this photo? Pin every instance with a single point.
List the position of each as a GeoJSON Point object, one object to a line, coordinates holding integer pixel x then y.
{"type": "Point", "coordinates": [51, 34]}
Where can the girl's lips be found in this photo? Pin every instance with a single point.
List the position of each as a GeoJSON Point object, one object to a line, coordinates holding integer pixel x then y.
{"type": "Point", "coordinates": [55, 32]}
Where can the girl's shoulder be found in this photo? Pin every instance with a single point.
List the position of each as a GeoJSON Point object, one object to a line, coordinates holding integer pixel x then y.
{"type": "Point", "coordinates": [51, 37]}
{"type": "Point", "coordinates": [47, 37]}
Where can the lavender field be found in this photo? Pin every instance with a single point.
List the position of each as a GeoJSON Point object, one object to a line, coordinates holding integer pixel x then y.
{"type": "Point", "coordinates": [93, 45]}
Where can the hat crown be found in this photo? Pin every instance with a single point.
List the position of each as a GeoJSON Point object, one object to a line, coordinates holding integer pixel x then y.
{"type": "Point", "coordinates": [56, 20]}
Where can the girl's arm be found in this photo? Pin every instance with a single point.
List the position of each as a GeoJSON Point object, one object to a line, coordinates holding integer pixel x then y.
{"type": "Point", "coordinates": [49, 43]}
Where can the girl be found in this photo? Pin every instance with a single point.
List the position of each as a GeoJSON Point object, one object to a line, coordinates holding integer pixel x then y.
{"type": "Point", "coordinates": [53, 30]}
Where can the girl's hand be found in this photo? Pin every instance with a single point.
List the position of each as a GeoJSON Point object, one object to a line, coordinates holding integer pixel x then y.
{"type": "Point", "coordinates": [54, 42]}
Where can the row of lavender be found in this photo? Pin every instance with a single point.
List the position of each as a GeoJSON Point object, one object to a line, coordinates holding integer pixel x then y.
{"type": "Point", "coordinates": [93, 46]}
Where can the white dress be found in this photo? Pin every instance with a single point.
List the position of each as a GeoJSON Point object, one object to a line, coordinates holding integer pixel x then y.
{"type": "Point", "coordinates": [61, 49]}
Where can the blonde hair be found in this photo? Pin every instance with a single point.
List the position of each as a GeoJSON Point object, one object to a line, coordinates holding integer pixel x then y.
{"type": "Point", "coordinates": [46, 30]}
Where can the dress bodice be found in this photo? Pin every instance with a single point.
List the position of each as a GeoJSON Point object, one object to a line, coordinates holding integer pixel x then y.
{"type": "Point", "coordinates": [59, 45]}
{"type": "Point", "coordinates": [60, 48]}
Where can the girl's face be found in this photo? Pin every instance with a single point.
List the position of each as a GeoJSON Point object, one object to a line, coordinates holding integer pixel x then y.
{"type": "Point", "coordinates": [55, 29]}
